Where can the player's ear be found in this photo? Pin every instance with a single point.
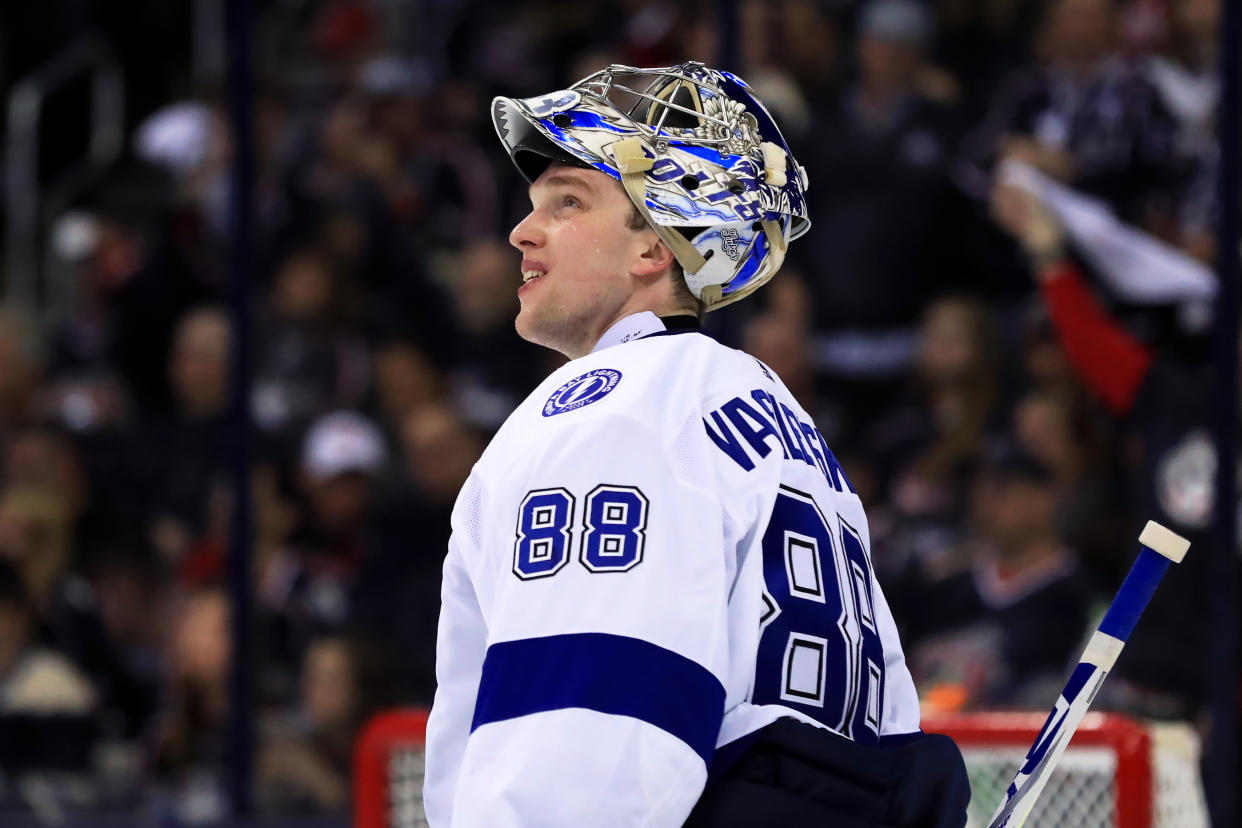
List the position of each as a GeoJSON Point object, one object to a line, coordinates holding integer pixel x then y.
{"type": "Point", "coordinates": [654, 256]}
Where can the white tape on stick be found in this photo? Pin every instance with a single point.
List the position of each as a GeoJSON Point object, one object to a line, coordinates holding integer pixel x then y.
{"type": "Point", "coordinates": [1165, 541]}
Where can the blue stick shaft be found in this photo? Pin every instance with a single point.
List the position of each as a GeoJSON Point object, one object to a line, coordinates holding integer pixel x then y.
{"type": "Point", "coordinates": [1134, 594]}
{"type": "Point", "coordinates": [1096, 662]}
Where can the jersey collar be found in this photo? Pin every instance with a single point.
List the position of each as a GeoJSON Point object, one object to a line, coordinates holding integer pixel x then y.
{"type": "Point", "coordinates": [643, 324]}
{"type": "Point", "coordinates": [629, 328]}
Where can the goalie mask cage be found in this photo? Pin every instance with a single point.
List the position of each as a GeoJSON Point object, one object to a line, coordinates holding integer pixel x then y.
{"type": "Point", "coordinates": [1116, 773]}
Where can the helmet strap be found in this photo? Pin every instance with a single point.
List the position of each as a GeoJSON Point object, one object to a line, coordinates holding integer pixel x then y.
{"type": "Point", "coordinates": [777, 245]}
{"type": "Point", "coordinates": [633, 163]}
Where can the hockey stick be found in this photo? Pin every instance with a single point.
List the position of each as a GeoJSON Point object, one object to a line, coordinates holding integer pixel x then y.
{"type": "Point", "coordinates": [1160, 547]}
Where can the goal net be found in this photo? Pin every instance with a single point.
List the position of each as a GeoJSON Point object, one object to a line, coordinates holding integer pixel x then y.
{"type": "Point", "coordinates": [1116, 773]}
{"type": "Point", "coordinates": [388, 771]}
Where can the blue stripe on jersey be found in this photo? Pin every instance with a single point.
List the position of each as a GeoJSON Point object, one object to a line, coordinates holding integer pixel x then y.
{"type": "Point", "coordinates": [606, 673]}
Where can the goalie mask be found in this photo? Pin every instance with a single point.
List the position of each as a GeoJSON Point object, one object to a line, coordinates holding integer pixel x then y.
{"type": "Point", "coordinates": [696, 152]}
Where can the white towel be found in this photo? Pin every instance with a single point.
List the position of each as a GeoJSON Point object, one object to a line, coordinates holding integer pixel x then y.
{"type": "Point", "coordinates": [1136, 266]}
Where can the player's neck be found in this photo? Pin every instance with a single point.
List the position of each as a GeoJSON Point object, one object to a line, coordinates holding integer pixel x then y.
{"type": "Point", "coordinates": [665, 307]}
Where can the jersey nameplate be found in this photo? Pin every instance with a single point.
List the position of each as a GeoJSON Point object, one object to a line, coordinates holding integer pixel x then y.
{"type": "Point", "coordinates": [743, 429]}
{"type": "Point", "coordinates": [590, 387]}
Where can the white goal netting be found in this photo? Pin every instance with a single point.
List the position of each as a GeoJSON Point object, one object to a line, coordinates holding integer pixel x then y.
{"type": "Point", "coordinates": [1116, 772]}
{"type": "Point", "coordinates": [388, 771]}
{"type": "Point", "coordinates": [405, 789]}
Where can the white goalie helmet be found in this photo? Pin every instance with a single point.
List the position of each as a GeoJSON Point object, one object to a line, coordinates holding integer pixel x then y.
{"type": "Point", "coordinates": [696, 152]}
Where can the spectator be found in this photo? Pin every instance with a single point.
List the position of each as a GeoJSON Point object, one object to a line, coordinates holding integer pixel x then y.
{"type": "Point", "coordinates": [984, 41]}
{"type": "Point", "coordinates": [190, 748]}
{"type": "Point", "coordinates": [46, 459]}
{"type": "Point", "coordinates": [805, 39]}
{"type": "Point", "coordinates": [33, 679]}
{"type": "Point", "coordinates": [312, 358]}
{"type": "Point", "coordinates": [1088, 117]}
{"type": "Point", "coordinates": [120, 638]}
{"type": "Point", "coordinates": [882, 245]}
{"type": "Point", "coordinates": [341, 454]}
{"type": "Point", "coordinates": [179, 458]}
{"type": "Point", "coordinates": [70, 546]}
{"type": "Point", "coordinates": [1187, 74]}
{"type": "Point", "coordinates": [1044, 364]}
{"type": "Point", "coordinates": [163, 275]}
{"type": "Point", "coordinates": [305, 763]}
{"type": "Point", "coordinates": [404, 378]}
{"type": "Point", "coordinates": [85, 391]}
{"type": "Point", "coordinates": [1064, 433]}
{"type": "Point", "coordinates": [441, 448]}
{"type": "Point", "coordinates": [46, 703]}
{"type": "Point", "coordinates": [396, 598]}
{"type": "Point", "coordinates": [308, 580]}
{"type": "Point", "coordinates": [973, 629]}
{"type": "Point", "coordinates": [1163, 406]}
{"type": "Point", "coordinates": [925, 448]}
{"type": "Point", "coordinates": [42, 459]}
{"type": "Point", "coordinates": [783, 345]}
{"type": "Point", "coordinates": [35, 538]}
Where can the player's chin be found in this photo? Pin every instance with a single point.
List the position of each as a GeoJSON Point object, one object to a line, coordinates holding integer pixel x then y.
{"type": "Point", "coordinates": [526, 323]}
{"type": "Point", "coordinates": [536, 325]}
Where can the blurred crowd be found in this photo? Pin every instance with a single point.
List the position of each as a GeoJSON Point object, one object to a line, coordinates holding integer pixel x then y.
{"type": "Point", "coordinates": [1008, 410]}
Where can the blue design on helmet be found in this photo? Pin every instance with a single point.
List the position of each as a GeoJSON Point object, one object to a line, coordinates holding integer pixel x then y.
{"type": "Point", "coordinates": [696, 152]}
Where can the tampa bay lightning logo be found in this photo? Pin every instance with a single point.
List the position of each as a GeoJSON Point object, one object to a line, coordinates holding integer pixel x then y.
{"type": "Point", "coordinates": [591, 387]}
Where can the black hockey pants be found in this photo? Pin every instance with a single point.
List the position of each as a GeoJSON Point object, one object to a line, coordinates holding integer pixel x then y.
{"type": "Point", "coordinates": [793, 775]}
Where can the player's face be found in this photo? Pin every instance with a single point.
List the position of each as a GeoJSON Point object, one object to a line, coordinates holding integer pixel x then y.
{"type": "Point", "coordinates": [577, 241]}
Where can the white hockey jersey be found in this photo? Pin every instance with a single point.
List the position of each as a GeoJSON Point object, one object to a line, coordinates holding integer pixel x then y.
{"type": "Point", "coordinates": [656, 555]}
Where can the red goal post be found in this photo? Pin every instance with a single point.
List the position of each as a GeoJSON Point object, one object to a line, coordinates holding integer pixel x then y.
{"type": "Point", "coordinates": [388, 770]}
{"type": "Point", "coordinates": [1117, 772]}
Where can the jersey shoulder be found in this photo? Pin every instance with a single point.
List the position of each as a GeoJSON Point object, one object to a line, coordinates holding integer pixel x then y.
{"type": "Point", "coordinates": [675, 390]}
{"type": "Point", "coordinates": [646, 380]}
{"type": "Point", "coordinates": [696, 370]}
{"type": "Point", "coordinates": [654, 386]}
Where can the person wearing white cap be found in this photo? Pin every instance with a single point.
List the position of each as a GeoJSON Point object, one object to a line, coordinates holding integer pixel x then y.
{"type": "Point", "coordinates": [340, 443]}
{"type": "Point", "coordinates": [342, 453]}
